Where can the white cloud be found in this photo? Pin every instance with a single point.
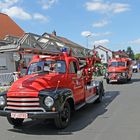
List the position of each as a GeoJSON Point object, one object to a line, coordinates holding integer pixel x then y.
{"type": "Point", "coordinates": [96, 6]}
{"type": "Point", "coordinates": [7, 3]}
{"type": "Point", "coordinates": [8, 7]}
{"type": "Point", "coordinates": [101, 42]}
{"type": "Point", "coordinates": [107, 7]}
{"type": "Point", "coordinates": [86, 33]}
{"type": "Point", "coordinates": [101, 23]}
{"type": "Point", "coordinates": [46, 4]}
{"type": "Point", "coordinates": [17, 12]}
{"type": "Point", "coordinates": [119, 7]}
{"type": "Point", "coordinates": [102, 34]}
{"type": "Point", "coordinates": [135, 42]}
{"type": "Point", "coordinates": [38, 16]}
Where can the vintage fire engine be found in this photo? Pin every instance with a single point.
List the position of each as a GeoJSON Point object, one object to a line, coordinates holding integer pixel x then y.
{"type": "Point", "coordinates": [55, 85]}
{"type": "Point", "coordinates": [119, 70]}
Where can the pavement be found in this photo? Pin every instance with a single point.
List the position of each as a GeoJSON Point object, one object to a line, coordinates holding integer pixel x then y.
{"type": "Point", "coordinates": [116, 118]}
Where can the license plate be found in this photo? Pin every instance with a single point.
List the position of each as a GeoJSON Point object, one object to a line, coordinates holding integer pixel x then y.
{"type": "Point", "coordinates": [113, 80]}
{"type": "Point", "coordinates": [19, 115]}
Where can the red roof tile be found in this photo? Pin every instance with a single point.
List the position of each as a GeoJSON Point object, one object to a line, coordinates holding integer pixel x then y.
{"type": "Point", "coordinates": [9, 27]}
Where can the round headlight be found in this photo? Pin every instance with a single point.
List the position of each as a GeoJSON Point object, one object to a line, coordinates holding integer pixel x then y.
{"type": "Point", "coordinates": [2, 100]}
{"type": "Point", "coordinates": [48, 101]}
{"type": "Point", "coordinates": [123, 74]}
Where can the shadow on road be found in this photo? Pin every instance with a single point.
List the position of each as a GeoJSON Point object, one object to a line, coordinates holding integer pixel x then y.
{"type": "Point", "coordinates": [134, 80]}
{"type": "Point", "coordinates": [81, 119]}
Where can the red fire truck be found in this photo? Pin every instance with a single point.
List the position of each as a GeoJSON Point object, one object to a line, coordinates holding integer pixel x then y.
{"type": "Point", "coordinates": [119, 70]}
{"type": "Point", "coordinates": [55, 85]}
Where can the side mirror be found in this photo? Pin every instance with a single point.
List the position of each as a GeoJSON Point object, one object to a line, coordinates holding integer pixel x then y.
{"type": "Point", "coordinates": [109, 65]}
{"type": "Point", "coordinates": [23, 71]}
{"type": "Point", "coordinates": [79, 73]}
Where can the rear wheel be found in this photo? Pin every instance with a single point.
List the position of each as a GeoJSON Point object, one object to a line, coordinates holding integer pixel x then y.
{"type": "Point", "coordinates": [129, 79]}
{"type": "Point", "coordinates": [100, 91]}
{"type": "Point", "coordinates": [15, 122]}
{"type": "Point", "coordinates": [63, 119]}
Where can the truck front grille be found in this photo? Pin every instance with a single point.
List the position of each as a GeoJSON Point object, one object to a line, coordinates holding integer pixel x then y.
{"type": "Point", "coordinates": [23, 104]}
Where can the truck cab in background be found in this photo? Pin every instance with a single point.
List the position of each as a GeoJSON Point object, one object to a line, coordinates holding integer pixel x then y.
{"type": "Point", "coordinates": [119, 70]}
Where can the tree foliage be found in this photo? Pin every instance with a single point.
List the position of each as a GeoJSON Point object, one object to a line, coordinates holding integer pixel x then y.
{"type": "Point", "coordinates": [137, 56]}
{"type": "Point", "coordinates": [130, 52]}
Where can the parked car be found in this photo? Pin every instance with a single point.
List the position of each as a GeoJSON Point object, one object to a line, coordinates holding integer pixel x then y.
{"type": "Point", "coordinates": [135, 68]}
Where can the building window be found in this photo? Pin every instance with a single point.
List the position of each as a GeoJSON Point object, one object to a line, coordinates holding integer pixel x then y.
{"type": "Point", "coordinates": [3, 65]}
{"type": "Point", "coordinates": [102, 55]}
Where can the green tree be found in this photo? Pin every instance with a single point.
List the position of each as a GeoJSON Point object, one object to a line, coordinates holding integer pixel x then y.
{"type": "Point", "coordinates": [130, 52]}
{"type": "Point", "coordinates": [137, 56]}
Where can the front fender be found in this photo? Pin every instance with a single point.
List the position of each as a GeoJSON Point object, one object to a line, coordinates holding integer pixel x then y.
{"type": "Point", "coordinates": [4, 93]}
{"type": "Point", "coordinates": [60, 96]}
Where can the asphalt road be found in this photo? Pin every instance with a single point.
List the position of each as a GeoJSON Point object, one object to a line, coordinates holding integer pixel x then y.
{"type": "Point", "coordinates": [116, 118]}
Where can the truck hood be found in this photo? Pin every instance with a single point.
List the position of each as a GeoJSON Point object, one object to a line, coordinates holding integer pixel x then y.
{"type": "Point", "coordinates": [117, 69]}
{"type": "Point", "coordinates": [35, 83]}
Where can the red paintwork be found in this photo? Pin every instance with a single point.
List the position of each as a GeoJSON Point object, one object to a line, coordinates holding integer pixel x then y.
{"type": "Point", "coordinates": [30, 85]}
{"type": "Point", "coordinates": [114, 71]}
{"type": "Point", "coordinates": [117, 69]}
{"type": "Point", "coordinates": [22, 94]}
{"type": "Point", "coordinates": [35, 82]}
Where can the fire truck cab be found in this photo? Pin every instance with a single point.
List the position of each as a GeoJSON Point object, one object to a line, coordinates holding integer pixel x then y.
{"type": "Point", "coordinates": [119, 70]}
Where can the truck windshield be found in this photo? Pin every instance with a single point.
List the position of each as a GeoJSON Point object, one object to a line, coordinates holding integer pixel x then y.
{"type": "Point", "coordinates": [116, 64]}
{"type": "Point", "coordinates": [49, 66]}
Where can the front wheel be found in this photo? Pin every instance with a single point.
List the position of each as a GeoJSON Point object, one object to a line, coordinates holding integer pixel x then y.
{"type": "Point", "coordinates": [15, 122]}
{"type": "Point", "coordinates": [129, 79]}
{"type": "Point", "coordinates": [107, 81]}
{"type": "Point", "coordinates": [63, 119]}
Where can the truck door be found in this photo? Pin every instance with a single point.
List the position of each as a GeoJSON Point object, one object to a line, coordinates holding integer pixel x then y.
{"type": "Point", "coordinates": [77, 84]}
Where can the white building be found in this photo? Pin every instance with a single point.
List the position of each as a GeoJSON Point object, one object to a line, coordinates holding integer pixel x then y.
{"type": "Point", "coordinates": [104, 53]}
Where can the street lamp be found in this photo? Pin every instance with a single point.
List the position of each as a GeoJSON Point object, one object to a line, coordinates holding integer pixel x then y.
{"type": "Point", "coordinates": [87, 36]}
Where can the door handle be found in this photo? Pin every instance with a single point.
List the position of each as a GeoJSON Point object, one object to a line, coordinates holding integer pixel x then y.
{"type": "Point", "coordinates": [74, 78]}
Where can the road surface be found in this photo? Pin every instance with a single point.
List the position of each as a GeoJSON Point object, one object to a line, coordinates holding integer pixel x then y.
{"type": "Point", "coordinates": [116, 118]}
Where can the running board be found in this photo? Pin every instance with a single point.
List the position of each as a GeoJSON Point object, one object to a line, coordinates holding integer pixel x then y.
{"type": "Point", "coordinates": [92, 99]}
{"type": "Point", "coordinates": [80, 105]}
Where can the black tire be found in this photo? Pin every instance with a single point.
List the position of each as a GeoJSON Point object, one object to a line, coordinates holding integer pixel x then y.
{"type": "Point", "coordinates": [64, 117]}
{"type": "Point", "coordinates": [129, 79]}
{"type": "Point", "coordinates": [15, 122]}
{"type": "Point", "coordinates": [100, 91]}
{"type": "Point", "coordinates": [107, 81]}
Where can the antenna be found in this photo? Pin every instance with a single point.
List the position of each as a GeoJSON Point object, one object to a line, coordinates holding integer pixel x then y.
{"type": "Point", "coordinates": [57, 85]}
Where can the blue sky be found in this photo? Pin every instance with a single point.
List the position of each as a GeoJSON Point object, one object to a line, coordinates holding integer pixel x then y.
{"type": "Point", "coordinates": [114, 24]}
